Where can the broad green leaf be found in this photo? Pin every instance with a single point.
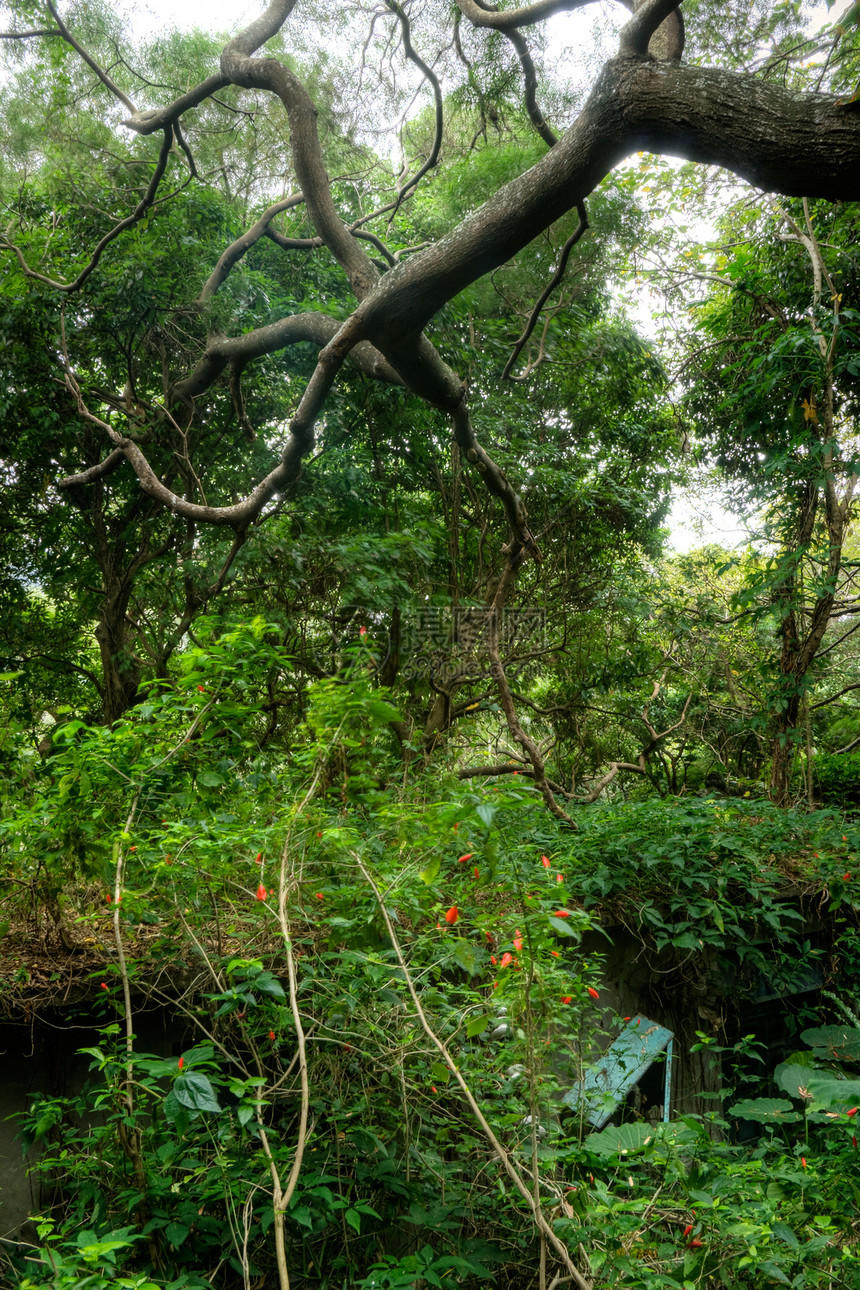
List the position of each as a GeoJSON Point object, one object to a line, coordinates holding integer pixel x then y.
{"type": "Point", "coordinates": [765, 1110]}
{"type": "Point", "coordinates": [193, 1090]}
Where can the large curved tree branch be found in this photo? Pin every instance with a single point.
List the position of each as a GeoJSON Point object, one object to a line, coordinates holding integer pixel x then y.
{"type": "Point", "coordinates": [314, 328]}
{"type": "Point", "coordinates": [268, 74]}
{"type": "Point", "coordinates": [300, 440]}
{"type": "Point", "coordinates": [509, 19]}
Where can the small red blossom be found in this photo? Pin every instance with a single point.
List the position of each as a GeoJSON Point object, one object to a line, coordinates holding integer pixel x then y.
{"type": "Point", "coordinates": [507, 960]}
{"type": "Point", "coordinates": [846, 877]}
{"type": "Point", "coordinates": [109, 898]}
{"type": "Point", "coordinates": [688, 1229]}
{"type": "Point", "coordinates": [803, 1161]}
{"type": "Point", "coordinates": [132, 848]}
{"type": "Point", "coordinates": [554, 953]}
{"type": "Point", "coordinates": [854, 1142]}
{"type": "Point", "coordinates": [467, 856]}
{"type": "Point", "coordinates": [320, 895]}
{"type": "Point", "coordinates": [594, 993]}
{"type": "Point", "coordinates": [493, 960]}
{"type": "Point", "coordinates": [853, 1111]}
{"type": "Point", "coordinates": [559, 877]}
{"type": "Point", "coordinates": [456, 826]}
{"type": "Point", "coordinates": [695, 1244]}
{"type": "Point", "coordinates": [104, 985]}
{"type": "Point", "coordinates": [562, 913]}
{"type": "Point", "coordinates": [202, 689]}
{"type": "Point", "coordinates": [626, 1018]}
{"type": "Point", "coordinates": [488, 937]}
{"type": "Point", "coordinates": [476, 872]}
{"type": "Point", "coordinates": [261, 892]}
{"type": "Point", "coordinates": [271, 1034]}
{"type": "Point", "coordinates": [495, 985]}
{"type": "Point", "coordinates": [545, 861]}
{"type": "Point", "coordinates": [567, 998]}
{"type": "Point", "coordinates": [433, 1088]}
{"type": "Point", "coordinates": [362, 631]}
{"type": "Point", "coordinates": [181, 1062]}
{"type": "Point", "coordinates": [452, 915]}
{"type": "Point", "coordinates": [518, 943]}
{"type": "Point", "coordinates": [259, 857]}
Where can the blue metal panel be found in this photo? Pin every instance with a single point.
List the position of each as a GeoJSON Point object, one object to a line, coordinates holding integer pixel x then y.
{"type": "Point", "coordinates": [639, 1045]}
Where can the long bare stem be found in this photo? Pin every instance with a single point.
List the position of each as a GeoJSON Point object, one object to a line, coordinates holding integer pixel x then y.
{"type": "Point", "coordinates": [504, 1156]}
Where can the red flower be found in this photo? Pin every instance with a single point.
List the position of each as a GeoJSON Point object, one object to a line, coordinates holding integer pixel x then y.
{"type": "Point", "coordinates": [567, 998]}
{"type": "Point", "coordinates": [259, 857]}
{"type": "Point", "coordinates": [261, 892]}
{"type": "Point", "coordinates": [433, 1088]}
{"type": "Point", "coordinates": [271, 1034]}
{"type": "Point", "coordinates": [559, 878]}
{"type": "Point", "coordinates": [688, 1229]}
{"type": "Point", "coordinates": [846, 877]}
{"type": "Point", "coordinates": [201, 689]}
{"type": "Point", "coordinates": [132, 848]}
{"type": "Point", "coordinates": [319, 895]}
{"type": "Point", "coordinates": [493, 960]}
{"type": "Point", "coordinates": [626, 1018]}
{"type": "Point", "coordinates": [562, 913]}
{"type": "Point", "coordinates": [803, 1161]}
{"type": "Point", "coordinates": [696, 1244]}
{"type": "Point", "coordinates": [452, 915]}
{"type": "Point", "coordinates": [507, 959]}
{"type": "Point", "coordinates": [181, 1062]}
{"type": "Point", "coordinates": [545, 861]}
{"type": "Point", "coordinates": [467, 856]}
{"type": "Point", "coordinates": [477, 874]}
{"type": "Point", "coordinates": [854, 1142]}
{"type": "Point", "coordinates": [488, 937]}
{"type": "Point", "coordinates": [594, 994]}
{"type": "Point", "coordinates": [554, 953]}
{"type": "Point", "coordinates": [362, 631]}
{"type": "Point", "coordinates": [518, 940]}
{"type": "Point", "coordinates": [853, 1111]}
{"type": "Point", "coordinates": [109, 898]}
{"type": "Point", "coordinates": [104, 985]}
{"type": "Point", "coordinates": [495, 985]}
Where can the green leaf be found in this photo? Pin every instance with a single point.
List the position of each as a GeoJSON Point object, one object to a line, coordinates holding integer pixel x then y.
{"type": "Point", "coordinates": [619, 1140]}
{"type": "Point", "coordinates": [467, 957]}
{"type": "Point", "coordinates": [194, 1091]}
{"type": "Point", "coordinates": [429, 874]}
{"type": "Point", "coordinates": [765, 1110]}
{"type": "Point", "coordinates": [563, 928]}
{"type": "Point", "coordinates": [784, 1233]}
{"type": "Point", "coordinates": [775, 1273]}
{"type": "Point", "coordinates": [477, 1025]}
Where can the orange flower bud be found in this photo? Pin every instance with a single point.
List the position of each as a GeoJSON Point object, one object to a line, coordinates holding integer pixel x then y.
{"type": "Point", "coordinates": [452, 915]}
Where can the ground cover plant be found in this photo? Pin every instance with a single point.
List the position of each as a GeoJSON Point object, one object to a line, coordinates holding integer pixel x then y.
{"type": "Point", "coordinates": [386, 993]}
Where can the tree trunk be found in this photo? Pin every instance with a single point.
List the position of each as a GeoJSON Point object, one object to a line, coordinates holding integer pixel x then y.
{"type": "Point", "coordinates": [120, 664]}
